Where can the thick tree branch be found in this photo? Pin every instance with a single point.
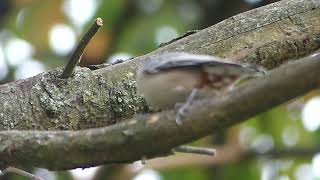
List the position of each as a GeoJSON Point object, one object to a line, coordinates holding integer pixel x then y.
{"type": "Point", "coordinates": [156, 134]}
{"type": "Point", "coordinates": [268, 36]}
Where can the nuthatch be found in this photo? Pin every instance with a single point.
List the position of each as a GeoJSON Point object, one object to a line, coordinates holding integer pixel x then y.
{"type": "Point", "coordinates": [168, 79]}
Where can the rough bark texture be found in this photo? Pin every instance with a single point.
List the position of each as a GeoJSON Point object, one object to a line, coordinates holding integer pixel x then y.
{"type": "Point", "coordinates": [49, 102]}
{"type": "Point", "coordinates": [268, 36]}
{"type": "Point", "coordinates": [156, 134]}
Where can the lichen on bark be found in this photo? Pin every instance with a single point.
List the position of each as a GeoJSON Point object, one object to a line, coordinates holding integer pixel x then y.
{"type": "Point", "coordinates": [47, 101]}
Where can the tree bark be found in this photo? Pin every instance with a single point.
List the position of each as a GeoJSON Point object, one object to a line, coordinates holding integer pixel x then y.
{"type": "Point", "coordinates": [268, 36]}
{"type": "Point", "coordinates": [156, 134]}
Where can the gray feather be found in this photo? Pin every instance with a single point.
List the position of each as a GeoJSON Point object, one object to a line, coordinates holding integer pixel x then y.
{"type": "Point", "coordinates": [170, 61]}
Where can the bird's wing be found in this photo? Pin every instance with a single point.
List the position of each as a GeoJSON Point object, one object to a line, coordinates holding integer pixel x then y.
{"type": "Point", "coordinates": [182, 61]}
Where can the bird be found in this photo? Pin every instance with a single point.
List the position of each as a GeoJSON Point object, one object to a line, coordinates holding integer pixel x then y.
{"type": "Point", "coordinates": [176, 79]}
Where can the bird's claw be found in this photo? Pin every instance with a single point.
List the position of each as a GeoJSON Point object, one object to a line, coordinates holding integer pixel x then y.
{"type": "Point", "coordinates": [181, 114]}
{"type": "Point", "coordinates": [183, 107]}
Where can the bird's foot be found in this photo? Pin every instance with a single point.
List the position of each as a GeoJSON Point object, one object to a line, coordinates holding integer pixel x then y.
{"type": "Point", "coordinates": [181, 113]}
{"type": "Point", "coordinates": [182, 108]}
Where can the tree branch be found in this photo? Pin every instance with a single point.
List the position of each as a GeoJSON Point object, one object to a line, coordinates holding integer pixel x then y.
{"type": "Point", "coordinates": [268, 36]}
{"type": "Point", "coordinates": [156, 134]}
{"type": "Point", "coordinates": [226, 154]}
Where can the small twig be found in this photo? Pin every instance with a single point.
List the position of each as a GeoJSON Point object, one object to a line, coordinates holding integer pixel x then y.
{"type": "Point", "coordinates": [76, 55]}
{"type": "Point", "coordinates": [23, 173]}
{"type": "Point", "coordinates": [195, 150]}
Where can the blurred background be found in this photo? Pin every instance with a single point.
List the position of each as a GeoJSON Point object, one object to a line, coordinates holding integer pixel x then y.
{"type": "Point", "coordinates": [39, 35]}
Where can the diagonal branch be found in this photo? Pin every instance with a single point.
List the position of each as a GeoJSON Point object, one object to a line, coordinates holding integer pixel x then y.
{"type": "Point", "coordinates": [268, 36]}
{"type": "Point", "coordinates": [155, 134]}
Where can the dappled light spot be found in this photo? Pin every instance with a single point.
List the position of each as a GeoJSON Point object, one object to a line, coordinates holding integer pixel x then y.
{"type": "Point", "coordinates": [290, 136]}
{"type": "Point", "coordinates": [294, 108]}
{"type": "Point", "coordinates": [149, 6]}
{"type": "Point", "coordinates": [136, 166]}
{"type": "Point", "coordinates": [148, 174]}
{"type": "Point", "coordinates": [271, 168]}
{"type": "Point", "coordinates": [283, 178]}
{"type": "Point", "coordinates": [62, 39]}
{"type": "Point", "coordinates": [268, 170]}
{"type": "Point", "coordinates": [304, 172]}
{"type": "Point", "coordinates": [247, 135]}
{"type": "Point", "coordinates": [252, 2]}
{"type": "Point", "coordinates": [29, 68]}
{"type": "Point", "coordinates": [84, 174]}
{"type": "Point", "coordinates": [285, 165]}
{"type": "Point", "coordinates": [119, 56]}
{"type": "Point", "coordinates": [316, 165]}
{"type": "Point", "coordinates": [311, 114]}
{"type": "Point", "coordinates": [3, 65]}
{"type": "Point", "coordinates": [262, 143]}
{"type": "Point", "coordinates": [18, 50]}
{"type": "Point", "coordinates": [190, 11]}
{"type": "Point", "coordinates": [80, 11]}
{"type": "Point", "coordinates": [165, 34]}
{"type": "Point", "coordinates": [45, 174]}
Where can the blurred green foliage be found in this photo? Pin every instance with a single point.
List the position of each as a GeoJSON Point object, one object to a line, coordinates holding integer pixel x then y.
{"type": "Point", "coordinates": [186, 173]}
